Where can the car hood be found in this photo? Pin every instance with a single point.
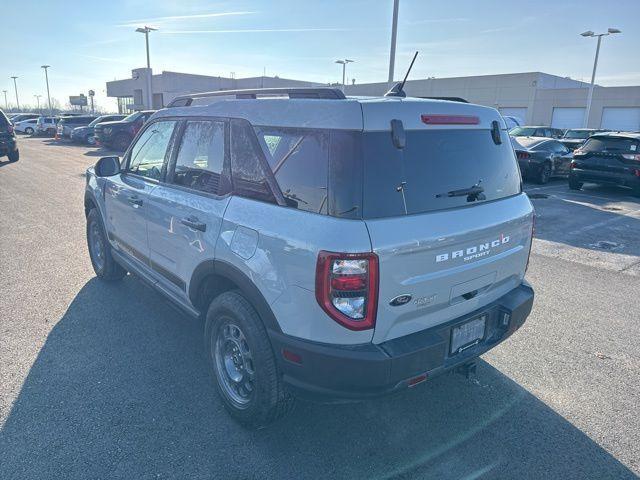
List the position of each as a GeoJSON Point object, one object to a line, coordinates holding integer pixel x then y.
{"type": "Point", "coordinates": [112, 124]}
{"type": "Point", "coordinates": [81, 129]}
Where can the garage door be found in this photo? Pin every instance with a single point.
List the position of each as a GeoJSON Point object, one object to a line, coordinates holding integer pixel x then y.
{"type": "Point", "coordinates": [567, 117]}
{"type": "Point", "coordinates": [621, 118]}
{"type": "Point", "coordinates": [519, 112]}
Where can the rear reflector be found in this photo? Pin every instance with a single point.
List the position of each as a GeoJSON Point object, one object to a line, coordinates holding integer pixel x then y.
{"type": "Point", "coordinates": [522, 155]}
{"type": "Point", "coordinates": [291, 356]}
{"type": "Point", "coordinates": [416, 380]}
{"type": "Point", "coordinates": [450, 119]}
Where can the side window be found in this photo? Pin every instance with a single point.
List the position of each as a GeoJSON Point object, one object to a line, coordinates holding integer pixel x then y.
{"type": "Point", "coordinates": [299, 161]}
{"type": "Point", "coordinates": [149, 152]}
{"type": "Point", "coordinates": [200, 160]}
{"type": "Point", "coordinates": [248, 177]}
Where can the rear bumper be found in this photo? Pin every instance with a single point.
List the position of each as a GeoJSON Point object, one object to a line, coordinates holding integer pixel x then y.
{"type": "Point", "coordinates": [335, 372]}
{"type": "Point", "coordinates": [606, 178]}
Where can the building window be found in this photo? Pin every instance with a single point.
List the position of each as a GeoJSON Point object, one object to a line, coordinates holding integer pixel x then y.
{"type": "Point", "coordinates": [125, 104]}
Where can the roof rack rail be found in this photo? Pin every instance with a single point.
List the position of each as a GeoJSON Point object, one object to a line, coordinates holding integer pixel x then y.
{"type": "Point", "coordinates": [299, 92]}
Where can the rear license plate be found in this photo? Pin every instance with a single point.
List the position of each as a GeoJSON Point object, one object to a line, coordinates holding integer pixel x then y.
{"type": "Point", "coordinates": [468, 334]}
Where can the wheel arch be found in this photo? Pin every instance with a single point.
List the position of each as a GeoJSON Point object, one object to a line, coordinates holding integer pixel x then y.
{"type": "Point", "coordinates": [212, 277]}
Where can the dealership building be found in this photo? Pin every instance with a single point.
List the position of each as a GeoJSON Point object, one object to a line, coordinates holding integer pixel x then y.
{"type": "Point", "coordinates": [535, 98]}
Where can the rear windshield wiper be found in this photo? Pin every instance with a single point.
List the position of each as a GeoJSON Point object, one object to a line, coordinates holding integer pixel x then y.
{"type": "Point", "coordinates": [472, 193]}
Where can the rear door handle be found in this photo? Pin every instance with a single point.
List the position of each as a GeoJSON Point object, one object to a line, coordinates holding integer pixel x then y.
{"type": "Point", "coordinates": [135, 201]}
{"type": "Point", "coordinates": [195, 223]}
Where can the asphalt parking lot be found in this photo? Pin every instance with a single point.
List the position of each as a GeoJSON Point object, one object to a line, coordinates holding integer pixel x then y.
{"type": "Point", "coordinates": [108, 381]}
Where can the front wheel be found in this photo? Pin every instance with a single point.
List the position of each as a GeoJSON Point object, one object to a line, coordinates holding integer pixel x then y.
{"type": "Point", "coordinates": [28, 131]}
{"type": "Point", "coordinates": [90, 140]}
{"type": "Point", "coordinates": [242, 363]}
{"type": "Point", "coordinates": [574, 184]}
{"type": "Point", "coordinates": [104, 265]}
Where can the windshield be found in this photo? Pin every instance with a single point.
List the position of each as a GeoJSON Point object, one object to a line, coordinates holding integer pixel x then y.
{"type": "Point", "coordinates": [522, 131]}
{"type": "Point", "coordinates": [132, 118]}
{"type": "Point", "coordinates": [611, 145]}
{"type": "Point", "coordinates": [578, 134]}
{"type": "Point", "coordinates": [436, 170]}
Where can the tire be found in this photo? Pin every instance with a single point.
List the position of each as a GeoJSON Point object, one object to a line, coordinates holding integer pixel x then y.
{"type": "Point", "coordinates": [51, 132]}
{"type": "Point", "coordinates": [121, 142]}
{"type": "Point", "coordinates": [14, 156]}
{"type": "Point", "coordinates": [574, 184]}
{"type": "Point", "coordinates": [90, 140]}
{"type": "Point", "coordinates": [28, 131]}
{"type": "Point", "coordinates": [544, 175]}
{"type": "Point", "coordinates": [242, 363]}
{"type": "Point", "coordinates": [104, 265]}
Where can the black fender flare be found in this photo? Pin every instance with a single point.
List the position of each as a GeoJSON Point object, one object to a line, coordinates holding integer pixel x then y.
{"type": "Point", "coordinates": [251, 292]}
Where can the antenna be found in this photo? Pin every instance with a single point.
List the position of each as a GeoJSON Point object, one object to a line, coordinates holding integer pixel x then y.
{"type": "Point", "coordinates": [397, 89]}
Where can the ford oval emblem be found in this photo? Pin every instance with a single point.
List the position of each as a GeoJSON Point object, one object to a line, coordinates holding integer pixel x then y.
{"type": "Point", "coordinates": [400, 300]}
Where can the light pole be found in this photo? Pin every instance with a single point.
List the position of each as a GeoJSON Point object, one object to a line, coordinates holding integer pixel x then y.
{"type": "Point", "coordinates": [344, 69]}
{"type": "Point", "coordinates": [38, 100]}
{"type": "Point", "coordinates": [589, 33]}
{"type": "Point", "coordinates": [15, 86]}
{"type": "Point", "coordinates": [146, 31]}
{"type": "Point", "coordinates": [394, 34]}
{"type": "Point", "coordinates": [46, 76]}
{"type": "Point", "coordinates": [6, 104]}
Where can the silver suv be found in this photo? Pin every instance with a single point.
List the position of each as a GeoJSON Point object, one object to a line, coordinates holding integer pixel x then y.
{"type": "Point", "coordinates": [338, 248]}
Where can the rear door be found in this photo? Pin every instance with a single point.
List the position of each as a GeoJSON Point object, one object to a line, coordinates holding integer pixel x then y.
{"type": "Point", "coordinates": [451, 252]}
{"type": "Point", "coordinates": [185, 212]}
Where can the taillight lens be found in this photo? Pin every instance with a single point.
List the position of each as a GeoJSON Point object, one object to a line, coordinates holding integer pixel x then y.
{"type": "Point", "coordinates": [573, 165]}
{"type": "Point", "coordinates": [629, 156]}
{"type": "Point", "coordinates": [522, 155]}
{"type": "Point", "coordinates": [347, 288]}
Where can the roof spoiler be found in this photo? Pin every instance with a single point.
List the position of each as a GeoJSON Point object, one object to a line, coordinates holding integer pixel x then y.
{"type": "Point", "coordinates": [450, 99]}
{"type": "Point", "coordinates": [324, 93]}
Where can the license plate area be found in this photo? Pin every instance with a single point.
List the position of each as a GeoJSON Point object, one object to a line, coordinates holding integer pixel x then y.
{"type": "Point", "coordinates": [468, 334]}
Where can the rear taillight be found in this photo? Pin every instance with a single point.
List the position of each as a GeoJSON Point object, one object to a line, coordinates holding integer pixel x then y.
{"type": "Point", "coordinates": [629, 156]}
{"type": "Point", "coordinates": [522, 155]}
{"type": "Point", "coordinates": [572, 165]}
{"type": "Point", "coordinates": [347, 288]}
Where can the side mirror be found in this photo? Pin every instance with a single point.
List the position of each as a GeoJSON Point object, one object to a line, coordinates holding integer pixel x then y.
{"type": "Point", "coordinates": [107, 166]}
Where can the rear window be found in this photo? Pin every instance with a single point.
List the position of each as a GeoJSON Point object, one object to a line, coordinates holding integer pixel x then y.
{"type": "Point", "coordinates": [577, 134]}
{"type": "Point", "coordinates": [611, 145]}
{"type": "Point", "coordinates": [522, 132]}
{"type": "Point", "coordinates": [429, 173]}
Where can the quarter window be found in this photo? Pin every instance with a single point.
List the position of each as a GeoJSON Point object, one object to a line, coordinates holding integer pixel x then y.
{"type": "Point", "coordinates": [149, 152]}
{"type": "Point", "coordinates": [200, 160]}
{"type": "Point", "coordinates": [299, 161]}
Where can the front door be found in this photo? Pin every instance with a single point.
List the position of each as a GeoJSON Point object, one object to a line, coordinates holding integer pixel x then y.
{"type": "Point", "coordinates": [126, 194]}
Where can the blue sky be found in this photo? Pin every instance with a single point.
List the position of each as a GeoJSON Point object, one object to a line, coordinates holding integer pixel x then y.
{"type": "Point", "coordinates": [89, 42]}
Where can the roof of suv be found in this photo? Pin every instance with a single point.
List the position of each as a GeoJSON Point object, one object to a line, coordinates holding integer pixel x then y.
{"type": "Point", "coordinates": [632, 135]}
{"type": "Point", "coordinates": [352, 113]}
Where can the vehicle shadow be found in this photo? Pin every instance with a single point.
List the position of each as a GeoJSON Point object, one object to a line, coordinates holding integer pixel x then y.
{"type": "Point", "coordinates": [120, 390]}
{"type": "Point", "coordinates": [4, 163]}
{"type": "Point", "coordinates": [101, 152]}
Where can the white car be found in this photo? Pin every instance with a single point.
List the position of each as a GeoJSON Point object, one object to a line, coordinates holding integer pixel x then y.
{"type": "Point", "coordinates": [47, 125]}
{"type": "Point", "coordinates": [26, 126]}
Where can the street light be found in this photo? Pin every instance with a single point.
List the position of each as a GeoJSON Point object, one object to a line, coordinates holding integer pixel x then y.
{"type": "Point", "coordinates": [344, 69]}
{"type": "Point", "coordinates": [590, 33]}
{"type": "Point", "coordinates": [15, 85]}
{"type": "Point", "coordinates": [46, 76]}
{"type": "Point", "coordinates": [146, 31]}
{"type": "Point", "coordinates": [394, 34]}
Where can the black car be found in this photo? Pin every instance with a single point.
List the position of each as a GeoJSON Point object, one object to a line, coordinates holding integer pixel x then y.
{"type": "Point", "coordinates": [118, 135]}
{"type": "Point", "coordinates": [86, 134]}
{"type": "Point", "coordinates": [8, 143]}
{"type": "Point", "coordinates": [607, 159]}
{"type": "Point", "coordinates": [574, 137]}
{"type": "Point", "coordinates": [541, 131]}
{"type": "Point", "coordinates": [541, 158]}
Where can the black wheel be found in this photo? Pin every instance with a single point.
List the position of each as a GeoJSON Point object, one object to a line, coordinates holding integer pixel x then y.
{"type": "Point", "coordinates": [544, 175]}
{"type": "Point", "coordinates": [242, 363]}
{"type": "Point", "coordinates": [90, 140]}
{"type": "Point", "coordinates": [28, 131]}
{"type": "Point", "coordinates": [104, 265]}
{"type": "Point", "coordinates": [574, 184]}
{"type": "Point", "coordinates": [121, 142]}
{"type": "Point", "coordinates": [13, 156]}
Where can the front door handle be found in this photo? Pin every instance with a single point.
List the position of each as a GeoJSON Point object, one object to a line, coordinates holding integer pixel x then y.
{"type": "Point", "coordinates": [135, 201]}
{"type": "Point", "coordinates": [193, 222]}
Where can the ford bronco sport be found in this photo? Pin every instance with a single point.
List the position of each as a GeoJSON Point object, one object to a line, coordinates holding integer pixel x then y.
{"type": "Point", "coordinates": [338, 248]}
